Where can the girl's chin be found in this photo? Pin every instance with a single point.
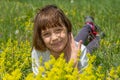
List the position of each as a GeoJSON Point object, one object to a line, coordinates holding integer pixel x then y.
{"type": "Point", "coordinates": [58, 50]}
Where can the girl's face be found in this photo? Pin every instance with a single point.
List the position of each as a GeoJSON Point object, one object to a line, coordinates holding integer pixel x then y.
{"type": "Point", "coordinates": [55, 38]}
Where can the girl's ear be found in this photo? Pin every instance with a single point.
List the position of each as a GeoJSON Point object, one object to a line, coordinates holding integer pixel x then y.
{"type": "Point", "coordinates": [69, 33]}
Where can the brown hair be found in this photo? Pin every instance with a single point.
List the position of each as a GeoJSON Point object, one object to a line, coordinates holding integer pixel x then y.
{"type": "Point", "coordinates": [49, 16]}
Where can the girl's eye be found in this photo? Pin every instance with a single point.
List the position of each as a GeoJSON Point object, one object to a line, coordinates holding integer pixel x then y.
{"type": "Point", "coordinates": [46, 34]}
{"type": "Point", "coordinates": [58, 30]}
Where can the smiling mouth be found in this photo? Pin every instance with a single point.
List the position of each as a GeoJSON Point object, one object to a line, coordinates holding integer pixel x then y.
{"type": "Point", "coordinates": [57, 44]}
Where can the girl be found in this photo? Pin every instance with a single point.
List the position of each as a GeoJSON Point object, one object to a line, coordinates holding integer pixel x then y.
{"type": "Point", "coordinates": [53, 36]}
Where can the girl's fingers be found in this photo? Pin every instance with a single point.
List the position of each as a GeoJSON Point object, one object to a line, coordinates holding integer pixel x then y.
{"type": "Point", "coordinates": [79, 44]}
{"type": "Point", "coordinates": [72, 40]}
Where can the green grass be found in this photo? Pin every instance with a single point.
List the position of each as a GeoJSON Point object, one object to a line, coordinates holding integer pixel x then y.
{"type": "Point", "coordinates": [14, 14]}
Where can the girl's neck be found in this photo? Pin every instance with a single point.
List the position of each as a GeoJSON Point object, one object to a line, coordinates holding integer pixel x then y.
{"type": "Point", "coordinates": [57, 55]}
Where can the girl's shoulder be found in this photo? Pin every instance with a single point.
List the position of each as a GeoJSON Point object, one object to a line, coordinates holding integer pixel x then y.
{"type": "Point", "coordinates": [37, 54]}
{"type": "Point", "coordinates": [83, 47]}
{"type": "Point", "coordinates": [83, 57]}
{"type": "Point", "coordinates": [35, 51]}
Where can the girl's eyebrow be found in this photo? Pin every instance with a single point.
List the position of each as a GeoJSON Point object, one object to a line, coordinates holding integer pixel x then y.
{"type": "Point", "coordinates": [44, 31]}
{"type": "Point", "coordinates": [58, 27]}
{"type": "Point", "coordinates": [48, 29]}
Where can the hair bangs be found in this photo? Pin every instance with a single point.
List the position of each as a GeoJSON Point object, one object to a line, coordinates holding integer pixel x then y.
{"type": "Point", "coordinates": [47, 22]}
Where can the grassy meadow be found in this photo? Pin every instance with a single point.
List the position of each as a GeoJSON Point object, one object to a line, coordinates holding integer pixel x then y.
{"type": "Point", "coordinates": [16, 28]}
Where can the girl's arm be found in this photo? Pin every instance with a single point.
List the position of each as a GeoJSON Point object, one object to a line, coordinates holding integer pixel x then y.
{"type": "Point", "coordinates": [75, 50]}
{"type": "Point", "coordinates": [78, 53]}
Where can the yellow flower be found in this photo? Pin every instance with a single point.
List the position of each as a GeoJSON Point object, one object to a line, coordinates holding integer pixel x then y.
{"type": "Point", "coordinates": [30, 77]}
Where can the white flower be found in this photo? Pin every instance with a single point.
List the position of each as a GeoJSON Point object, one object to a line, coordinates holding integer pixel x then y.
{"type": "Point", "coordinates": [72, 1]}
{"type": "Point", "coordinates": [0, 51]}
{"type": "Point", "coordinates": [17, 31]}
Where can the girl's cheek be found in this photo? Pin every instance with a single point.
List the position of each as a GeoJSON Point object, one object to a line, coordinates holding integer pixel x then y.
{"type": "Point", "coordinates": [46, 40]}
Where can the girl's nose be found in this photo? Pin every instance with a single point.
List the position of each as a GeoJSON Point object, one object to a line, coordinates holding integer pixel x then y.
{"type": "Point", "coordinates": [54, 37]}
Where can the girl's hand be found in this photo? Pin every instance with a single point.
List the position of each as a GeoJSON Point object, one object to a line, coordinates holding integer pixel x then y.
{"type": "Point", "coordinates": [75, 49]}
{"type": "Point", "coordinates": [72, 50]}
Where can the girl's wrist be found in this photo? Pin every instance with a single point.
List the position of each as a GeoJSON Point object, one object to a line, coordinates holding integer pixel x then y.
{"type": "Point", "coordinates": [74, 58]}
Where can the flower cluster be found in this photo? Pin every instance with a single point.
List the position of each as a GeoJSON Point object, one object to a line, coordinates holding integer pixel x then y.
{"type": "Point", "coordinates": [15, 64]}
